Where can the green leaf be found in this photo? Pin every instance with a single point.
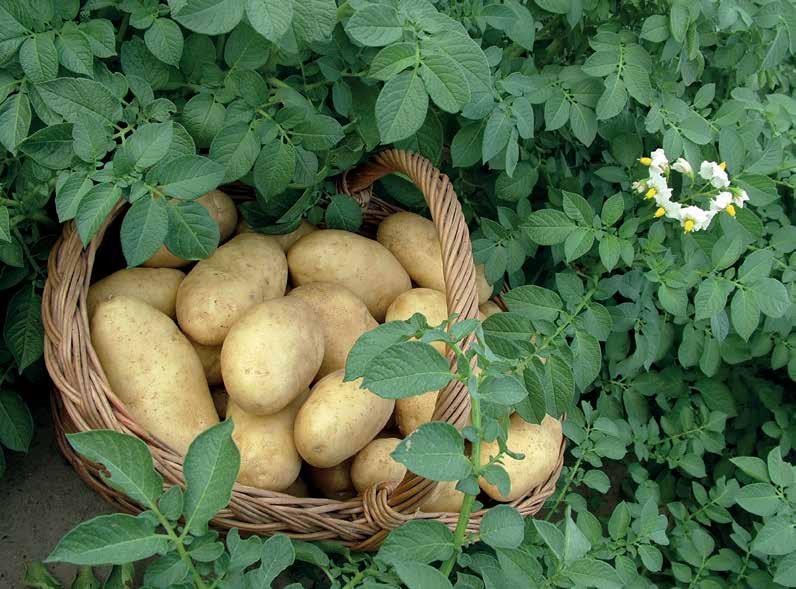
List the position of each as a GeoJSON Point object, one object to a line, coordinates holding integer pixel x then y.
{"type": "Point", "coordinates": [759, 498]}
{"type": "Point", "coordinates": [314, 20]}
{"type": "Point", "coordinates": [777, 537]}
{"type": "Point", "coordinates": [786, 571]}
{"type": "Point", "coordinates": [143, 230]}
{"type": "Point", "coordinates": [696, 129]}
{"type": "Point", "coordinates": [534, 302]}
{"type": "Point", "coordinates": [343, 213]}
{"type": "Point", "coordinates": [756, 265]}
{"type": "Point", "coordinates": [655, 28]}
{"type": "Point", "coordinates": [519, 185]}
{"type": "Point", "coordinates": [577, 208]}
{"type": "Point", "coordinates": [590, 572]}
{"type": "Point", "coordinates": [771, 296]}
{"type": "Point", "coordinates": [711, 297]}
{"type": "Point", "coordinates": [91, 141]}
{"type": "Point", "coordinates": [578, 243]}
{"type": "Point", "coordinates": [319, 132]}
{"type": "Point", "coordinates": [372, 343]}
{"type": "Point", "coordinates": [74, 50]}
{"type": "Point", "coordinates": [502, 389]}
{"type": "Point", "coordinates": [5, 225]}
{"type": "Point", "coordinates": [466, 145]}
{"type": "Point", "coordinates": [211, 467]}
{"type": "Point", "coordinates": [406, 369]}
{"type": "Point", "coordinates": [15, 117]}
{"type": "Point", "coordinates": [392, 60]}
{"type": "Point", "coordinates": [422, 541]}
{"type": "Point", "coordinates": [37, 576]}
{"type": "Point", "coordinates": [167, 571]}
{"type": "Point", "coordinates": [126, 460]}
{"type": "Point", "coordinates": [109, 539]}
{"type": "Point", "coordinates": [576, 545]}
{"type": "Point", "coordinates": [445, 80]}
{"type": "Point", "coordinates": [203, 118]}
{"type": "Point", "coordinates": [583, 123]}
{"type": "Point", "coordinates": [101, 37]}
{"type": "Point", "coordinates": [375, 26]}
{"type": "Point", "coordinates": [75, 98]}
{"type": "Point", "coordinates": [679, 19]}
{"type": "Point", "coordinates": [401, 107]}
{"type": "Point", "coordinates": [597, 480]}
{"type": "Point", "coordinates": [39, 57]}
{"type": "Point", "coordinates": [164, 40]}
{"type": "Point", "coordinates": [416, 575]}
{"type": "Point", "coordinates": [548, 226]}
{"type": "Point", "coordinates": [274, 168]}
{"type": "Point", "coordinates": [613, 99]}
{"type": "Point", "coordinates": [502, 527]}
{"type": "Point", "coordinates": [270, 18]}
{"type": "Point", "coordinates": [146, 146]}
{"type": "Point", "coordinates": [752, 466]}
{"type": "Point", "coordinates": [193, 233]}
{"type": "Point", "coordinates": [50, 146]}
{"type": "Point", "coordinates": [187, 177]}
{"type": "Point", "coordinates": [16, 423]}
{"type": "Point", "coordinates": [555, 6]}
{"type": "Point", "coordinates": [277, 554]}
{"type": "Point", "coordinates": [496, 134]}
{"type": "Point", "coordinates": [586, 359]}
{"type": "Point", "coordinates": [94, 208]}
{"type": "Point", "coordinates": [745, 313]}
{"type": "Point", "coordinates": [209, 17]}
{"type": "Point", "coordinates": [69, 193]}
{"type": "Point", "coordinates": [171, 503]}
{"type": "Point", "coordinates": [610, 249]}
{"type": "Point", "coordinates": [236, 147]}
{"type": "Point", "coordinates": [434, 451]}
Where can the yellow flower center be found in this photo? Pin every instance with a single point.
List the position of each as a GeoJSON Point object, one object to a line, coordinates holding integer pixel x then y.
{"type": "Point", "coordinates": [723, 165]}
{"type": "Point", "coordinates": [689, 225]}
{"type": "Point", "coordinates": [651, 193]}
{"type": "Point", "coordinates": [645, 161]}
{"type": "Point", "coordinates": [730, 210]}
{"type": "Point", "coordinates": [660, 212]}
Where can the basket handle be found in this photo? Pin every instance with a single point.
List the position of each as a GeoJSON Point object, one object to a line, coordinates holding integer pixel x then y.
{"type": "Point", "coordinates": [453, 402]}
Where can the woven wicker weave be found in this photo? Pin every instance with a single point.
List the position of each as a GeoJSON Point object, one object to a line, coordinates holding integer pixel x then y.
{"type": "Point", "coordinates": [83, 399]}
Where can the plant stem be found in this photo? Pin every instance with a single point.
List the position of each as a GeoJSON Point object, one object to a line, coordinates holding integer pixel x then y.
{"type": "Point", "coordinates": [354, 581]}
{"type": "Point", "coordinates": [560, 496]}
{"type": "Point", "coordinates": [177, 540]}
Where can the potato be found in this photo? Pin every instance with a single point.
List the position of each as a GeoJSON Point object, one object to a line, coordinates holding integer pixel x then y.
{"type": "Point", "coordinates": [285, 240]}
{"type": "Point", "coordinates": [360, 264]}
{"type": "Point", "coordinates": [153, 369]}
{"type": "Point", "coordinates": [414, 241]}
{"type": "Point", "coordinates": [272, 354]}
{"type": "Point", "coordinates": [250, 269]}
{"type": "Point", "coordinates": [155, 286]}
{"type": "Point", "coordinates": [268, 457]}
{"type": "Point", "coordinates": [540, 443]}
{"type": "Point", "coordinates": [443, 499]}
{"type": "Point", "coordinates": [221, 208]}
{"type": "Point", "coordinates": [374, 464]}
{"type": "Point", "coordinates": [338, 420]}
{"type": "Point", "coordinates": [412, 412]}
{"type": "Point", "coordinates": [334, 482]}
{"type": "Point", "coordinates": [343, 318]}
{"type": "Point", "coordinates": [298, 488]}
{"type": "Point", "coordinates": [488, 309]}
{"type": "Point", "coordinates": [210, 357]}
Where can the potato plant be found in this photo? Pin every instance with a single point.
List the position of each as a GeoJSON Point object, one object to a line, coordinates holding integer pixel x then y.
{"type": "Point", "coordinates": [671, 332]}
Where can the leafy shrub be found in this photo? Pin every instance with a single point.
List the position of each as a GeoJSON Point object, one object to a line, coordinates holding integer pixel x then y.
{"type": "Point", "coordinates": [678, 348]}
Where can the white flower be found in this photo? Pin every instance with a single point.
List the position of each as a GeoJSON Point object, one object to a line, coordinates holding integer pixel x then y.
{"type": "Point", "coordinates": [682, 166]}
{"type": "Point", "coordinates": [721, 201]}
{"type": "Point", "coordinates": [695, 219]}
{"type": "Point", "coordinates": [660, 162]}
{"type": "Point", "coordinates": [739, 198]}
{"type": "Point", "coordinates": [658, 189]}
{"type": "Point", "coordinates": [671, 209]}
{"type": "Point", "coordinates": [640, 187]}
{"type": "Point", "coordinates": [715, 174]}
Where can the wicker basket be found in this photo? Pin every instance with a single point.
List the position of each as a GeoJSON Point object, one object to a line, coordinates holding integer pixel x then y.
{"type": "Point", "coordinates": [84, 401]}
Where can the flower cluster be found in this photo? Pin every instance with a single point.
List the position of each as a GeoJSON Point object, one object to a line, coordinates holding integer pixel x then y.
{"type": "Point", "coordinates": [723, 196]}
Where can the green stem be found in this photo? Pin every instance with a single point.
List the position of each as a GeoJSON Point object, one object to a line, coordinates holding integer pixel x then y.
{"type": "Point", "coordinates": [354, 581]}
{"type": "Point", "coordinates": [25, 250]}
{"type": "Point", "coordinates": [561, 328]}
{"type": "Point", "coordinates": [564, 490]}
{"type": "Point", "coordinates": [177, 540]}
{"type": "Point", "coordinates": [123, 27]}
{"type": "Point", "coordinates": [9, 202]}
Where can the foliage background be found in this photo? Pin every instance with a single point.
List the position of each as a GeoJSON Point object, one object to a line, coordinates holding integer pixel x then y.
{"type": "Point", "coordinates": [679, 349]}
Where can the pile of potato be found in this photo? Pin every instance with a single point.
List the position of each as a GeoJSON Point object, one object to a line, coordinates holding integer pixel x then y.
{"type": "Point", "coordinates": [267, 323]}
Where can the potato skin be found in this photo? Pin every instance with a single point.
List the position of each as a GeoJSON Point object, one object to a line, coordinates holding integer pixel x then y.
{"type": "Point", "coordinates": [343, 318]}
{"type": "Point", "coordinates": [210, 356]}
{"type": "Point", "coordinates": [488, 309]}
{"type": "Point", "coordinates": [338, 420]}
{"type": "Point", "coordinates": [153, 369]}
{"type": "Point", "coordinates": [222, 208]}
{"type": "Point", "coordinates": [271, 355]}
{"type": "Point", "coordinates": [443, 499]}
{"type": "Point", "coordinates": [360, 264]}
{"type": "Point", "coordinates": [155, 286]}
{"type": "Point", "coordinates": [412, 412]}
{"type": "Point", "coordinates": [334, 482]}
{"type": "Point", "coordinates": [413, 239]}
{"type": "Point", "coordinates": [285, 240]}
{"type": "Point", "coordinates": [540, 443]}
{"type": "Point", "coordinates": [249, 269]}
{"type": "Point", "coordinates": [374, 464]}
{"type": "Point", "coordinates": [268, 457]}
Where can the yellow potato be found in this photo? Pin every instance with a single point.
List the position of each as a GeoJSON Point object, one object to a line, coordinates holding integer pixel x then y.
{"type": "Point", "coordinates": [334, 482]}
{"type": "Point", "coordinates": [488, 309]}
{"type": "Point", "coordinates": [338, 420]}
{"type": "Point", "coordinates": [211, 362]}
{"type": "Point", "coordinates": [540, 443]}
{"type": "Point", "coordinates": [155, 286]}
{"type": "Point", "coordinates": [343, 318]}
{"type": "Point", "coordinates": [374, 464]}
{"type": "Point", "coordinates": [443, 499]}
{"type": "Point", "coordinates": [221, 208]}
{"type": "Point", "coordinates": [268, 457]}
{"type": "Point", "coordinates": [286, 240]}
{"type": "Point", "coordinates": [246, 271]}
{"type": "Point", "coordinates": [360, 264]}
{"type": "Point", "coordinates": [414, 241]}
{"type": "Point", "coordinates": [153, 369]}
{"type": "Point", "coordinates": [412, 412]}
{"type": "Point", "coordinates": [271, 355]}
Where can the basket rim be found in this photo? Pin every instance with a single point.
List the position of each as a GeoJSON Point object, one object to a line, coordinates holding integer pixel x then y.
{"type": "Point", "coordinates": [83, 400]}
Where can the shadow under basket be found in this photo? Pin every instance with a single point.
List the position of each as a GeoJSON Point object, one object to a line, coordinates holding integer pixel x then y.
{"type": "Point", "coordinates": [83, 400]}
